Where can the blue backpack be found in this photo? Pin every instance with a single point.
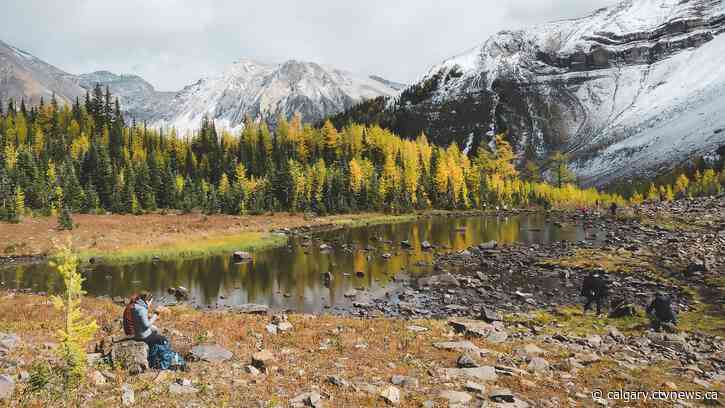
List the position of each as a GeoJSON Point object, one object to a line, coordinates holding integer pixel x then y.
{"type": "Point", "coordinates": [161, 357]}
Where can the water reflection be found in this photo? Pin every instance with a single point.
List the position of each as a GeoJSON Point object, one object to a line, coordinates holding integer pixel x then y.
{"type": "Point", "coordinates": [291, 276]}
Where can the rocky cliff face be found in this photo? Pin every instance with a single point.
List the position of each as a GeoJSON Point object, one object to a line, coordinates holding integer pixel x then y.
{"type": "Point", "coordinates": [24, 76]}
{"type": "Point", "coordinates": [629, 89]}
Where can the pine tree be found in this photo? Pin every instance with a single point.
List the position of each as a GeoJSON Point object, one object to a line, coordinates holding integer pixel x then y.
{"type": "Point", "coordinates": [65, 220]}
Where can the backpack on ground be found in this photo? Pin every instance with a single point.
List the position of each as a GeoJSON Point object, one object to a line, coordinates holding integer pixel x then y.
{"type": "Point", "coordinates": [128, 326]}
{"type": "Point", "coordinates": [161, 357]}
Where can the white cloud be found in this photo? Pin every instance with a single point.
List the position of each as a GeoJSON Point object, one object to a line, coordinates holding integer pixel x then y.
{"type": "Point", "coordinates": [172, 43]}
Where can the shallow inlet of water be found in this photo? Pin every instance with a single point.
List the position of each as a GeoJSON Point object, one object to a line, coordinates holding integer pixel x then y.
{"type": "Point", "coordinates": [290, 277]}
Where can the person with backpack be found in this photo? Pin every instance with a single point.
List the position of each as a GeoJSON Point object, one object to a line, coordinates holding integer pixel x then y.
{"type": "Point", "coordinates": [661, 313]}
{"type": "Point", "coordinates": [142, 327]}
{"type": "Point", "coordinates": [136, 323]}
{"type": "Point", "coordinates": [595, 289]}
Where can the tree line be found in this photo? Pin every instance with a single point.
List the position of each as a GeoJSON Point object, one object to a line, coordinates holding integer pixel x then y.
{"type": "Point", "coordinates": [86, 158]}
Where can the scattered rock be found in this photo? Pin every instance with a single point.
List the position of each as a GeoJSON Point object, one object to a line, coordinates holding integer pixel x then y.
{"type": "Point", "coordinates": [262, 360]}
{"type": "Point", "coordinates": [8, 342]}
{"type": "Point", "coordinates": [502, 395]}
{"type": "Point", "coordinates": [623, 310]}
{"type": "Point", "coordinates": [98, 379]}
{"type": "Point", "coordinates": [128, 396]}
{"type": "Point", "coordinates": [404, 381]}
{"type": "Point", "coordinates": [484, 373]}
{"type": "Point", "coordinates": [242, 256]}
{"type": "Point", "coordinates": [212, 353]}
{"type": "Point", "coordinates": [325, 247]}
{"type": "Point", "coordinates": [251, 308]}
{"type": "Point", "coordinates": [489, 315]}
{"type": "Point", "coordinates": [252, 370]}
{"type": "Point", "coordinates": [7, 387]}
{"type": "Point", "coordinates": [391, 395]}
{"type": "Point", "coordinates": [182, 387]}
{"type": "Point", "coordinates": [461, 346]}
{"type": "Point", "coordinates": [456, 398]}
{"type": "Point", "coordinates": [538, 365]}
{"type": "Point", "coordinates": [426, 246]}
{"type": "Point", "coordinates": [594, 341]}
{"type": "Point", "coordinates": [615, 334]}
{"type": "Point", "coordinates": [466, 360]}
{"type": "Point", "coordinates": [338, 381]}
{"type": "Point", "coordinates": [307, 399]}
{"type": "Point", "coordinates": [475, 387]}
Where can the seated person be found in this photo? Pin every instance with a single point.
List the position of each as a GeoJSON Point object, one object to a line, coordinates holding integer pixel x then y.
{"type": "Point", "coordinates": [143, 326]}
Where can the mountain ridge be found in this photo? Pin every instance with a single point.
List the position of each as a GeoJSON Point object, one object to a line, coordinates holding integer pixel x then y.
{"type": "Point", "coordinates": [607, 88]}
{"type": "Point", "coordinates": [246, 88]}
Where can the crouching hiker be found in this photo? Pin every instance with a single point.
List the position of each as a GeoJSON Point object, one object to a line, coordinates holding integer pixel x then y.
{"type": "Point", "coordinates": [137, 323]}
{"type": "Point", "coordinates": [595, 289]}
{"type": "Point", "coordinates": [661, 314]}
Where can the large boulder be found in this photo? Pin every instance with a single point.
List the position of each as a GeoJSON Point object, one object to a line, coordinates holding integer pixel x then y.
{"type": "Point", "coordinates": [131, 356]}
{"type": "Point", "coordinates": [212, 353]}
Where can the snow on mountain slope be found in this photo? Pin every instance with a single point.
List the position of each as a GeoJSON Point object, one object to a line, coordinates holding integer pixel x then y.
{"type": "Point", "coordinates": [24, 76]}
{"type": "Point", "coordinates": [628, 90]}
{"type": "Point", "coordinates": [264, 91]}
{"type": "Point", "coordinates": [246, 88]}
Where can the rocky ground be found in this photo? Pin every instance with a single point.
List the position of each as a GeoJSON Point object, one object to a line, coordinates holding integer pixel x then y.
{"type": "Point", "coordinates": [678, 248]}
{"type": "Point", "coordinates": [496, 327]}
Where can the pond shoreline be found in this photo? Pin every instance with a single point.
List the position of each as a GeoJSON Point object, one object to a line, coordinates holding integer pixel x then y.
{"type": "Point", "coordinates": [224, 243]}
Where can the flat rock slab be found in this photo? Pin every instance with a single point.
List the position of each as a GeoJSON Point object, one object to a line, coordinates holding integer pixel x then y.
{"type": "Point", "coordinates": [212, 353]}
{"type": "Point", "coordinates": [182, 389]}
{"type": "Point", "coordinates": [391, 395]}
{"type": "Point", "coordinates": [456, 398]}
{"type": "Point", "coordinates": [251, 308]}
{"type": "Point", "coordinates": [485, 373]}
{"type": "Point", "coordinates": [475, 328]}
{"type": "Point", "coordinates": [8, 341]}
{"type": "Point", "coordinates": [462, 346]}
{"type": "Point", "coordinates": [7, 387]}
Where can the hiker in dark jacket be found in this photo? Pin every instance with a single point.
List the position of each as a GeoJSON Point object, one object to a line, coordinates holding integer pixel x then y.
{"type": "Point", "coordinates": [660, 311]}
{"type": "Point", "coordinates": [144, 329]}
{"type": "Point", "coordinates": [595, 288]}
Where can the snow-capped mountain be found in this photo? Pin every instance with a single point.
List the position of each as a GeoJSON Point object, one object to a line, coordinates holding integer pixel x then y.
{"type": "Point", "coordinates": [632, 88]}
{"type": "Point", "coordinates": [24, 76]}
{"type": "Point", "coordinates": [246, 88]}
{"type": "Point", "coordinates": [263, 91]}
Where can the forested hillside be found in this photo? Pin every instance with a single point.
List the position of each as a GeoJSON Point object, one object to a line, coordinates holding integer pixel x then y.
{"type": "Point", "coordinates": [84, 158]}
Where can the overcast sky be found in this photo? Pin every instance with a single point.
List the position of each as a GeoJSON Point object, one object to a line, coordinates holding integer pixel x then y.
{"type": "Point", "coordinates": [172, 43]}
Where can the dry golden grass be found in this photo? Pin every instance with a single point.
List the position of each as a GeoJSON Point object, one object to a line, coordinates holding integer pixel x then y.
{"type": "Point", "coordinates": [358, 350]}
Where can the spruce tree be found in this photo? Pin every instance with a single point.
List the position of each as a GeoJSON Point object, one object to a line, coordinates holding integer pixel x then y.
{"type": "Point", "coordinates": [65, 220]}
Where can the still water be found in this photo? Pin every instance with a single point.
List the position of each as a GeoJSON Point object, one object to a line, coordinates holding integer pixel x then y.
{"type": "Point", "coordinates": [290, 277]}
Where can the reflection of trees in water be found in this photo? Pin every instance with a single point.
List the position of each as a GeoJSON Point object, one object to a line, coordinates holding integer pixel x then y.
{"type": "Point", "coordinates": [278, 271]}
